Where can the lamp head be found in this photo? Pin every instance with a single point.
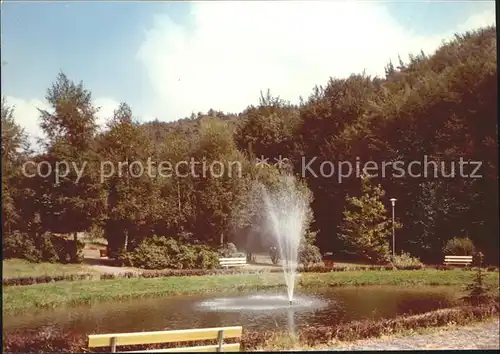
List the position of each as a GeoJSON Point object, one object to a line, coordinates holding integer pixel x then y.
{"type": "Point", "coordinates": [393, 201]}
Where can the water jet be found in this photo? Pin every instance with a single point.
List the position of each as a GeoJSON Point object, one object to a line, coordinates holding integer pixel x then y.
{"type": "Point", "coordinates": [286, 210]}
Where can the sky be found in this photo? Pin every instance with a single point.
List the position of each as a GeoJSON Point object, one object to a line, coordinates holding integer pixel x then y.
{"type": "Point", "coordinates": [169, 59]}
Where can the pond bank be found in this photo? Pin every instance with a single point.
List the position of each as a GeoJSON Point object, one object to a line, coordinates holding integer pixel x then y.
{"type": "Point", "coordinates": [479, 336]}
{"type": "Point", "coordinates": [70, 293]}
{"type": "Point", "coordinates": [401, 333]}
{"type": "Point", "coordinates": [54, 340]}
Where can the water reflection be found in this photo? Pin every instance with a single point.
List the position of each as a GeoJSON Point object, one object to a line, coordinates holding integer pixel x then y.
{"type": "Point", "coordinates": [321, 307]}
{"type": "Point", "coordinates": [291, 321]}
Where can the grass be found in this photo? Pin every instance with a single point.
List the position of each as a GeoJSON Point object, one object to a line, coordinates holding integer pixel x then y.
{"type": "Point", "coordinates": [280, 342]}
{"type": "Point", "coordinates": [70, 293]}
{"type": "Point", "coordinates": [22, 268]}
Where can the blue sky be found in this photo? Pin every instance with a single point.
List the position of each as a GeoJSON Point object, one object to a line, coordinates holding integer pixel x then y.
{"type": "Point", "coordinates": [169, 59]}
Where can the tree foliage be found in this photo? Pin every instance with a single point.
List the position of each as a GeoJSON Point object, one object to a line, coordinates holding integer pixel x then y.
{"type": "Point", "coordinates": [441, 106]}
{"type": "Point", "coordinates": [366, 227]}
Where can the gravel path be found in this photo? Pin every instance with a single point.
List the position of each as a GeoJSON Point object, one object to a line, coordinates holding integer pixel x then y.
{"type": "Point", "coordinates": [94, 261]}
{"type": "Point", "coordinates": [480, 336]}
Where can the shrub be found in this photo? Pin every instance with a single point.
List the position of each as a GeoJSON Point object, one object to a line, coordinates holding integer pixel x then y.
{"type": "Point", "coordinates": [459, 246]}
{"type": "Point", "coordinates": [162, 252]}
{"type": "Point", "coordinates": [44, 279]}
{"type": "Point", "coordinates": [66, 249]}
{"type": "Point", "coordinates": [47, 340]}
{"type": "Point", "coordinates": [309, 254]}
{"type": "Point", "coordinates": [96, 234]}
{"type": "Point", "coordinates": [206, 257]}
{"type": "Point", "coordinates": [18, 244]}
{"type": "Point", "coordinates": [406, 261]}
{"type": "Point", "coordinates": [47, 249]}
{"type": "Point", "coordinates": [44, 247]}
{"type": "Point", "coordinates": [477, 292]}
{"type": "Point", "coordinates": [229, 250]}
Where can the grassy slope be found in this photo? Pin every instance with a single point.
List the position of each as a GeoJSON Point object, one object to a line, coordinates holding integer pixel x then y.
{"type": "Point", "coordinates": [66, 293]}
{"type": "Point", "coordinates": [23, 268]}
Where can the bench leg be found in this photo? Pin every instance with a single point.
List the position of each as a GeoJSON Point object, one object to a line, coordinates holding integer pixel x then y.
{"type": "Point", "coordinates": [113, 345]}
{"type": "Point", "coordinates": [220, 340]}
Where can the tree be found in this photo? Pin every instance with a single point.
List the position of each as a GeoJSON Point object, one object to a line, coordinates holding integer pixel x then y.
{"type": "Point", "coordinates": [14, 142]}
{"type": "Point", "coordinates": [131, 193]}
{"type": "Point", "coordinates": [366, 228]}
{"type": "Point", "coordinates": [75, 200]}
{"type": "Point", "coordinates": [477, 292]}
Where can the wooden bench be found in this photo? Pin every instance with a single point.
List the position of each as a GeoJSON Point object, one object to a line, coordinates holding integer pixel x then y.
{"type": "Point", "coordinates": [233, 262]}
{"type": "Point", "coordinates": [183, 335]}
{"type": "Point", "coordinates": [458, 260]}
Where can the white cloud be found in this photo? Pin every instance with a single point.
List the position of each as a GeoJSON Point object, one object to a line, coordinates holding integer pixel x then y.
{"type": "Point", "coordinates": [235, 49]}
{"type": "Point", "coordinates": [107, 107]}
{"type": "Point", "coordinates": [26, 114]}
{"type": "Point", "coordinates": [232, 50]}
{"type": "Point", "coordinates": [485, 18]}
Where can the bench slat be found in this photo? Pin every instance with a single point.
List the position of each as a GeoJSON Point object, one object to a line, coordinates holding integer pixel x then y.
{"type": "Point", "coordinates": [183, 335]}
{"type": "Point", "coordinates": [458, 260]}
{"type": "Point", "coordinates": [458, 257]}
{"type": "Point", "coordinates": [233, 347]}
{"type": "Point", "coordinates": [233, 259]}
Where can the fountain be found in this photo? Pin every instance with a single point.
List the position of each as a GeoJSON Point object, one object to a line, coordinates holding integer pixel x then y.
{"type": "Point", "coordinates": [286, 211]}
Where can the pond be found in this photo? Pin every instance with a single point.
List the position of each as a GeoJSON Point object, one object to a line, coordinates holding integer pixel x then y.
{"type": "Point", "coordinates": [258, 311]}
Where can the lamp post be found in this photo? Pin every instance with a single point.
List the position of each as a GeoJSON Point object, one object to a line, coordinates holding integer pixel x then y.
{"type": "Point", "coordinates": [393, 202]}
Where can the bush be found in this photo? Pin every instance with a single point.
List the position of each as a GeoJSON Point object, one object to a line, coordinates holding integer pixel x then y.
{"type": "Point", "coordinates": [459, 246]}
{"type": "Point", "coordinates": [20, 245]}
{"type": "Point", "coordinates": [44, 279]}
{"type": "Point", "coordinates": [477, 292]}
{"type": "Point", "coordinates": [44, 247]}
{"type": "Point", "coordinates": [229, 250]}
{"type": "Point", "coordinates": [206, 258]}
{"type": "Point", "coordinates": [45, 340]}
{"type": "Point", "coordinates": [162, 252]}
{"type": "Point", "coordinates": [309, 254]}
{"type": "Point", "coordinates": [66, 250]}
{"type": "Point", "coordinates": [47, 249]}
{"type": "Point", "coordinates": [406, 261]}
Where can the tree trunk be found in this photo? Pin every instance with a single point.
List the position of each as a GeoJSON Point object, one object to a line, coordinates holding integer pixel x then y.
{"type": "Point", "coordinates": [75, 251]}
{"type": "Point", "coordinates": [125, 245]}
{"type": "Point", "coordinates": [179, 197]}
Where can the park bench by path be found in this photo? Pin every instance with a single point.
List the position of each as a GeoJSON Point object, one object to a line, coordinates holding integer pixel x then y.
{"type": "Point", "coordinates": [233, 262]}
{"type": "Point", "coordinates": [458, 260]}
{"type": "Point", "coordinates": [183, 335]}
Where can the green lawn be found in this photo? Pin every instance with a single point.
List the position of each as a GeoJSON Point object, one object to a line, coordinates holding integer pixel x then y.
{"type": "Point", "coordinates": [68, 293]}
{"type": "Point", "coordinates": [22, 268]}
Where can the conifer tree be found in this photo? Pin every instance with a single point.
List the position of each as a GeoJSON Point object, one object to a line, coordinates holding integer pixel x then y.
{"type": "Point", "coordinates": [366, 228]}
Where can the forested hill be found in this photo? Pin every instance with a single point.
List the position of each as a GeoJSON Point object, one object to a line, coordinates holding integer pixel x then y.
{"type": "Point", "coordinates": [442, 108]}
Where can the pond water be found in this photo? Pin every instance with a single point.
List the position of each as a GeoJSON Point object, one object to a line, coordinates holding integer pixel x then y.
{"type": "Point", "coordinates": [258, 311]}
